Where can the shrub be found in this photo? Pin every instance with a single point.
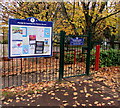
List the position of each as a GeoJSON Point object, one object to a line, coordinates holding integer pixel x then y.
{"type": "Point", "coordinates": [92, 58]}
{"type": "Point", "coordinates": [69, 58]}
{"type": "Point", "coordinates": [108, 58]}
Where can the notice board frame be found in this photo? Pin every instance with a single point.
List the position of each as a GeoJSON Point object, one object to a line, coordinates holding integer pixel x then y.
{"type": "Point", "coordinates": [19, 31]}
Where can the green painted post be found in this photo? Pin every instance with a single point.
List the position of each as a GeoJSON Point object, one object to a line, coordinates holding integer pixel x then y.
{"type": "Point", "coordinates": [61, 65]}
{"type": "Point", "coordinates": [88, 52]}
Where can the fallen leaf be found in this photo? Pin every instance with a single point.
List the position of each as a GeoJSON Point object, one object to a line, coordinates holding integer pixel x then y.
{"type": "Point", "coordinates": [63, 90]}
{"type": "Point", "coordinates": [75, 93]}
{"type": "Point", "coordinates": [35, 92]}
{"type": "Point", "coordinates": [6, 103]}
{"type": "Point", "coordinates": [91, 89]}
{"type": "Point", "coordinates": [83, 104]}
{"type": "Point", "coordinates": [65, 104]}
{"type": "Point", "coordinates": [10, 100]}
{"type": "Point", "coordinates": [113, 90]}
{"type": "Point", "coordinates": [29, 95]}
{"type": "Point", "coordinates": [64, 101]}
{"type": "Point", "coordinates": [109, 103]}
{"type": "Point", "coordinates": [17, 98]}
{"type": "Point", "coordinates": [52, 94]}
{"type": "Point", "coordinates": [57, 87]}
{"type": "Point", "coordinates": [116, 96]}
{"type": "Point", "coordinates": [112, 102]}
{"type": "Point", "coordinates": [96, 102]}
{"type": "Point", "coordinates": [81, 91]}
{"type": "Point", "coordinates": [99, 104]}
{"type": "Point", "coordinates": [66, 94]}
{"type": "Point", "coordinates": [17, 101]}
{"type": "Point", "coordinates": [85, 89]}
{"type": "Point", "coordinates": [28, 104]}
{"type": "Point", "coordinates": [101, 95]}
{"type": "Point", "coordinates": [74, 105]}
{"type": "Point", "coordinates": [88, 95]}
{"type": "Point", "coordinates": [103, 104]}
{"type": "Point", "coordinates": [52, 97]}
{"type": "Point", "coordinates": [90, 104]}
{"type": "Point", "coordinates": [77, 102]}
{"type": "Point", "coordinates": [107, 98]}
{"type": "Point", "coordinates": [28, 100]}
{"type": "Point", "coordinates": [57, 98]}
{"type": "Point", "coordinates": [95, 91]}
{"type": "Point", "coordinates": [74, 97]}
{"type": "Point", "coordinates": [90, 85]}
{"type": "Point", "coordinates": [74, 88]}
{"type": "Point", "coordinates": [32, 101]}
{"type": "Point", "coordinates": [38, 105]}
{"type": "Point", "coordinates": [23, 99]}
{"type": "Point", "coordinates": [2, 98]}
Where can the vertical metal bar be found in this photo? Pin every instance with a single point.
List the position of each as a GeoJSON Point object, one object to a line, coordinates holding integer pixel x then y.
{"type": "Point", "coordinates": [61, 68]}
{"type": "Point", "coordinates": [28, 63]}
{"type": "Point", "coordinates": [88, 52]}
{"type": "Point", "coordinates": [32, 70]}
{"type": "Point", "coordinates": [8, 71]}
{"type": "Point", "coordinates": [36, 69]}
{"type": "Point", "coordinates": [4, 62]}
{"type": "Point", "coordinates": [25, 68]}
{"type": "Point", "coordinates": [21, 71]}
{"type": "Point", "coordinates": [12, 72]}
{"type": "Point", "coordinates": [17, 70]}
{"type": "Point", "coordinates": [46, 69]}
{"type": "Point", "coordinates": [74, 66]}
{"type": "Point", "coordinates": [74, 56]}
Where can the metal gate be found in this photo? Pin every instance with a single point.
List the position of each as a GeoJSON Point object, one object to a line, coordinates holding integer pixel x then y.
{"type": "Point", "coordinates": [67, 61]}
{"type": "Point", "coordinates": [74, 59]}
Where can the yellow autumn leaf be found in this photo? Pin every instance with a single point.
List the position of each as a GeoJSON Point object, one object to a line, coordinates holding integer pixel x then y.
{"type": "Point", "coordinates": [65, 94]}
{"type": "Point", "coordinates": [74, 97]}
{"type": "Point", "coordinates": [107, 98]}
{"type": "Point", "coordinates": [96, 102]}
{"type": "Point", "coordinates": [75, 93]}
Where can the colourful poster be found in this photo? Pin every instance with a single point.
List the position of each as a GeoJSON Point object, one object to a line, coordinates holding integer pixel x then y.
{"type": "Point", "coordinates": [25, 49]}
{"type": "Point", "coordinates": [17, 47]}
{"type": "Point", "coordinates": [47, 32]}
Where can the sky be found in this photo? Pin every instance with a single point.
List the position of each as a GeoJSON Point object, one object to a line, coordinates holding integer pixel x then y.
{"type": "Point", "coordinates": [56, 0]}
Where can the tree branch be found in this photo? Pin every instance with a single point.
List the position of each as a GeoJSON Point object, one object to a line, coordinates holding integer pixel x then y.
{"type": "Point", "coordinates": [105, 17]}
{"type": "Point", "coordinates": [65, 14]}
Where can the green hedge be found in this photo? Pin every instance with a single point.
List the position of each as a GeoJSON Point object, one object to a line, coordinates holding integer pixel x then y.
{"type": "Point", "coordinates": [69, 58]}
{"type": "Point", "coordinates": [108, 58]}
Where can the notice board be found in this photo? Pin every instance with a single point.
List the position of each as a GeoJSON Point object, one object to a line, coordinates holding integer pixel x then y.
{"type": "Point", "coordinates": [30, 38]}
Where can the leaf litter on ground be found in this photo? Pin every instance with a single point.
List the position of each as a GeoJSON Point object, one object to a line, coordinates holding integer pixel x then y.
{"type": "Point", "coordinates": [103, 75]}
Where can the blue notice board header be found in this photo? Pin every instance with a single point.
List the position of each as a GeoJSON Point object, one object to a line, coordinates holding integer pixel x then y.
{"type": "Point", "coordinates": [30, 38]}
{"type": "Point", "coordinates": [30, 22]}
{"type": "Point", "coordinates": [76, 41]}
